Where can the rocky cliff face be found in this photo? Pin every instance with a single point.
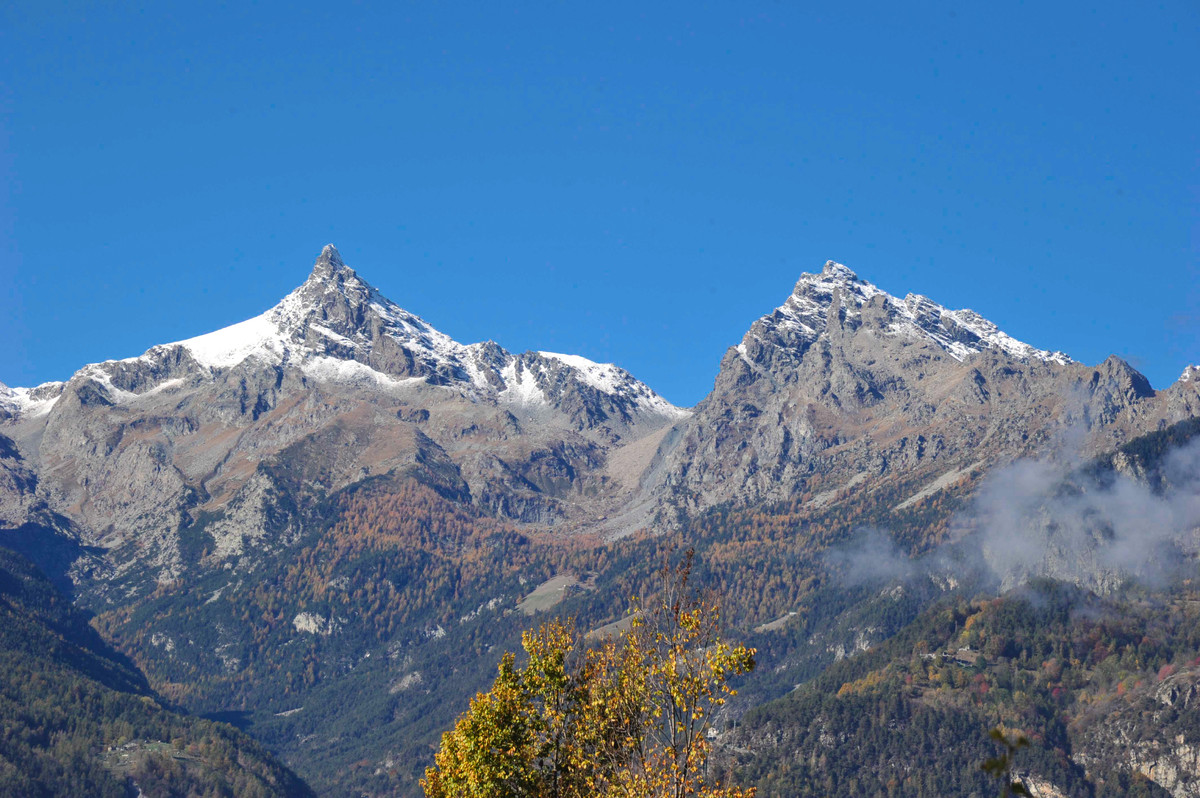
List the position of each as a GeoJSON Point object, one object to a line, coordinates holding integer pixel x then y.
{"type": "Point", "coordinates": [18, 486]}
{"type": "Point", "coordinates": [845, 384]}
{"type": "Point", "coordinates": [1153, 733]}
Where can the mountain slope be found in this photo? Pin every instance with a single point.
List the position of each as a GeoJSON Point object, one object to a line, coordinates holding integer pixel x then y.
{"type": "Point", "coordinates": [1105, 689]}
{"type": "Point", "coordinates": [845, 383]}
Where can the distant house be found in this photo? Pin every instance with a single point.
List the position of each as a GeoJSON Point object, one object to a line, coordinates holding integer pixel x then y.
{"type": "Point", "coordinates": [966, 657]}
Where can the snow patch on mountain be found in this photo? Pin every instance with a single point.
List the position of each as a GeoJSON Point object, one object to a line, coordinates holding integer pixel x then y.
{"type": "Point", "coordinates": [351, 372]}
{"type": "Point", "coordinates": [520, 385]}
{"type": "Point", "coordinates": [1190, 374]}
{"type": "Point", "coordinates": [259, 337]}
{"type": "Point", "coordinates": [30, 402]}
{"type": "Point", "coordinates": [98, 375]}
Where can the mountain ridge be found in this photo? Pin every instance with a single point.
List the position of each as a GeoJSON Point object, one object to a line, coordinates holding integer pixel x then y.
{"type": "Point", "coordinates": [214, 348]}
{"type": "Point", "coordinates": [960, 333]}
{"type": "Point", "coordinates": [840, 380]}
{"type": "Point", "coordinates": [335, 320]}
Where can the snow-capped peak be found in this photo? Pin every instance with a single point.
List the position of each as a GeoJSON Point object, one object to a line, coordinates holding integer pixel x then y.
{"type": "Point", "coordinates": [336, 327]}
{"type": "Point", "coordinates": [838, 272]}
{"type": "Point", "coordinates": [328, 262]}
{"type": "Point", "coordinates": [334, 313]}
{"type": "Point", "coordinates": [602, 376]}
{"type": "Point", "coordinates": [961, 333]}
{"type": "Point", "coordinates": [608, 378]}
{"type": "Point", "coordinates": [1190, 374]}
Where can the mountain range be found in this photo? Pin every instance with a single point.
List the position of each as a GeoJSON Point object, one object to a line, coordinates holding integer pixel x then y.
{"type": "Point", "coordinates": [336, 491]}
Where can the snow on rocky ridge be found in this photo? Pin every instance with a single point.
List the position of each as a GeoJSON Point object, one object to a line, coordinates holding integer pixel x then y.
{"type": "Point", "coordinates": [336, 327]}
{"type": "Point", "coordinates": [961, 333]}
{"type": "Point", "coordinates": [305, 325]}
{"type": "Point", "coordinates": [615, 381]}
{"type": "Point", "coordinates": [29, 401]}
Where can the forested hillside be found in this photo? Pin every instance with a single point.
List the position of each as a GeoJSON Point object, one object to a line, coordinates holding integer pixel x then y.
{"type": "Point", "coordinates": [1101, 687]}
{"type": "Point", "coordinates": [78, 719]}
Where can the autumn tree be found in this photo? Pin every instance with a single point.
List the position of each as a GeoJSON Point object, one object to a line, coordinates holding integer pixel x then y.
{"type": "Point", "coordinates": [628, 717]}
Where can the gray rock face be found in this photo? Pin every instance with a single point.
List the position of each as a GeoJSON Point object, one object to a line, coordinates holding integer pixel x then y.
{"type": "Point", "coordinates": [1154, 734]}
{"type": "Point", "coordinates": [844, 380]}
{"type": "Point", "coordinates": [29, 526]}
{"type": "Point", "coordinates": [18, 486]}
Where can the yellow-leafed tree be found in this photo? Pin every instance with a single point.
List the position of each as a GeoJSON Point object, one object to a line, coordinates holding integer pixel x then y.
{"type": "Point", "coordinates": [628, 717]}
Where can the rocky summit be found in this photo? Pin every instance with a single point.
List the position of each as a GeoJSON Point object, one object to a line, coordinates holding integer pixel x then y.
{"type": "Point", "coordinates": [845, 385]}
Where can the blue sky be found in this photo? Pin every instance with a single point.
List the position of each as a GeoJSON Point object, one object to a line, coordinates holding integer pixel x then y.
{"type": "Point", "coordinates": [632, 184]}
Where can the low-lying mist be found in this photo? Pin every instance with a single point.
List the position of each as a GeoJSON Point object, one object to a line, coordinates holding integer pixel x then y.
{"type": "Point", "coordinates": [1062, 518]}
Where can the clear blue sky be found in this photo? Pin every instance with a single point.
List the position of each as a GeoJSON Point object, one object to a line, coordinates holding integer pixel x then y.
{"type": "Point", "coordinates": [632, 184]}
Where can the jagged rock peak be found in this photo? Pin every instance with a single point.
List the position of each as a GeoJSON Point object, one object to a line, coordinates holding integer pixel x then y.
{"type": "Point", "coordinates": [838, 271]}
{"type": "Point", "coordinates": [1116, 374]}
{"type": "Point", "coordinates": [330, 264]}
{"type": "Point", "coordinates": [1190, 374]}
{"type": "Point", "coordinates": [330, 253]}
{"type": "Point", "coordinates": [806, 314]}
